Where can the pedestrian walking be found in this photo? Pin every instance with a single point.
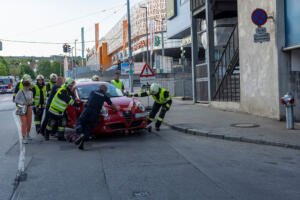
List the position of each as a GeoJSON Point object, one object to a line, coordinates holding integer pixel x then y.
{"type": "Point", "coordinates": [90, 116]}
{"type": "Point", "coordinates": [40, 98]}
{"type": "Point", "coordinates": [162, 102]}
{"type": "Point", "coordinates": [24, 100]}
{"type": "Point", "coordinates": [55, 88]}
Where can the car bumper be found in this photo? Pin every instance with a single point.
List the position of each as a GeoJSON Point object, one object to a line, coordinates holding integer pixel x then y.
{"type": "Point", "coordinates": [137, 122]}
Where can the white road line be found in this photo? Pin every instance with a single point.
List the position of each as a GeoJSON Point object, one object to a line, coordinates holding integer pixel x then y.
{"type": "Point", "coordinates": [21, 164]}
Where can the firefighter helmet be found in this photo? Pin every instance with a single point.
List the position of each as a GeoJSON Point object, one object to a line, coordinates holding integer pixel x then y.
{"type": "Point", "coordinates": [53, 75]}
{"type": "Point", "coordinates": [70, 82]}
{"type": "Point", "coordinates": [95, 78]}
{"type": "Point", "coordinates": [154, 88]}
{"type": "Point", "coordinates": [40, 77]}
{"type": "Point", "coordinates": [26, 77]}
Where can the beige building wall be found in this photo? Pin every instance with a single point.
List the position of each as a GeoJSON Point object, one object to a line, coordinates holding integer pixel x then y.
{"type": "Point", "coordinates": [258, 62]}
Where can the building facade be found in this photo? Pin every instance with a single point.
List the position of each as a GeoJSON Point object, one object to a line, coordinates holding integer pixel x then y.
{"type": "Point", "coordinates": [257, 65]}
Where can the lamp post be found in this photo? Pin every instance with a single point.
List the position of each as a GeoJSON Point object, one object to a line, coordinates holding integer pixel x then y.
{"type": "Point", "coordinates": [146, 32]}
{"type": "Point", "coordinates": [162, 36]}
{"type": "Point", "coordinates": [129, 48]}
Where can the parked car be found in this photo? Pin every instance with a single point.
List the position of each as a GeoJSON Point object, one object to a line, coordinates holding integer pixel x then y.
{"type": "Point", "coordinates": [131, 117]}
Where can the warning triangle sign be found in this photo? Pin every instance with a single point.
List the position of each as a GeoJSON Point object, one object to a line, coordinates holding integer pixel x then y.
{"type": "Point", "coordinates": [147, 71]}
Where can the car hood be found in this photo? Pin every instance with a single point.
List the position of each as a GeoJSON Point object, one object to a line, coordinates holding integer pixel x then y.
{"type": "Point", "coordinates": [125, 103]}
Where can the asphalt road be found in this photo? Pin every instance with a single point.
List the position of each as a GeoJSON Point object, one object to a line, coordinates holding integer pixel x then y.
{"type": "Point", "coordinates": [158, 165]}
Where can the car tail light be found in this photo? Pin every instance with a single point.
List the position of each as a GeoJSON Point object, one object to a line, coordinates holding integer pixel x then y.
{"type": "Point", "coordinates": [282, 101]}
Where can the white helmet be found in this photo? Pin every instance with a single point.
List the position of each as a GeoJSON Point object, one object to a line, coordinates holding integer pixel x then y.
{"type": "Point", "coordinates": [53, 75]}
{"type": "Point", "coordinates": [40, 76]}
{"type": "Point", "coordinates": [154, 88]}
{"type": "Point", "coordinates": [95, 78]}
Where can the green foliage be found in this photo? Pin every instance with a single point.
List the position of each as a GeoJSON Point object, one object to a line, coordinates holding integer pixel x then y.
{"type": "Point", "coordinates": [4, 67]}
{"type": "Point", "coordinates": [3, 71]}
{"type": "Point", "coordinates": [44, 68]}
{"type": "Point", "coordinates": [57, 68]}
{"type": "Point", "coordinates": [25, 69]}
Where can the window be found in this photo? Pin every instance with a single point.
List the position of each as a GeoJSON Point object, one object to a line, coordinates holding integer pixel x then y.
{"type": "Point", "coordinates": [183, 2]}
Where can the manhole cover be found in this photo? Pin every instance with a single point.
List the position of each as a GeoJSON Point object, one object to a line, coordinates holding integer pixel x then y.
{"type": "Point", "coordinates": [245, 125]}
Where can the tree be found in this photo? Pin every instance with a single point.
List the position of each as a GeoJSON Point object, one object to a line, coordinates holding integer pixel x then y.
{"type": "Point", "coordinates": [57, 68]}
{"type": "Point", "coordinates": [25, 69]}
{"type": "Point", "coordinates": [44, 68]}
{"type": "Point", "coordinates": [5, 65]}
{"type": "Point", "coordinates": [3, 71]}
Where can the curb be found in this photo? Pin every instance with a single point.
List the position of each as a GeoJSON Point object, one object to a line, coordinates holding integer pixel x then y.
{"type": "Point", "coordinates": [204, 133]}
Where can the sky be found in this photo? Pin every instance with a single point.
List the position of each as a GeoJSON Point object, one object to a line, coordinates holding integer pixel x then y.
{"type": "Point", "coordinates": [55, 21]}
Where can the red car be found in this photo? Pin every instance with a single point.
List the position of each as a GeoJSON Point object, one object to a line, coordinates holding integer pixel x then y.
{"type": "Point", "coordinates": [132, 114]}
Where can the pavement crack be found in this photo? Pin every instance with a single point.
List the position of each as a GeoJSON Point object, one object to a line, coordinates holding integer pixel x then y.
{"type": "Point", "coordinates": [195, 166]}
{"type": "Point", "coordinates": [104, 176]}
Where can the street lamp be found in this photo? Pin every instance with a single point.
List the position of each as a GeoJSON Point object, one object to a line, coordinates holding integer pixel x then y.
{"type": "Point", "coordinates": [146, 32]}
{"type": "Point", "coordinates": [162, 36]}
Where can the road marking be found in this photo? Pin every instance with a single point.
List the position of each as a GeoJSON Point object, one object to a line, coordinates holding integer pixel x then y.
{"type": "Point", "coordinates": [21, 164]}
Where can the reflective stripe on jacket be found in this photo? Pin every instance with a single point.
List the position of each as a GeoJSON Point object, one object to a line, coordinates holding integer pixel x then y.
{"type": "Point", "coordinates": [37, 96]}
{"type": "Point", "coordinates": [60, 104]}
{"type": "Point", "coordinates": [162, 99]}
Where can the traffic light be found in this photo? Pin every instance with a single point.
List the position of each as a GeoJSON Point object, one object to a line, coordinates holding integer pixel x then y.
{"type": "Point", "coordinates": [65, 48]}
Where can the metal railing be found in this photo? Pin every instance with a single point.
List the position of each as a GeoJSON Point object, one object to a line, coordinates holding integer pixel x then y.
{"type": "Point", "coordinates": [227, 73]}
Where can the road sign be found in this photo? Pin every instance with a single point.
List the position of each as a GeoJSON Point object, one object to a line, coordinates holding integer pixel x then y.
{"type": "Point", "coordinates": [261, 35]}
{"type": "Point", "coordinates": [259, 17]}
{"type": "Point", "coordinates": [147, 71]}
{"type": "Point", "coordinates": [125, 69]}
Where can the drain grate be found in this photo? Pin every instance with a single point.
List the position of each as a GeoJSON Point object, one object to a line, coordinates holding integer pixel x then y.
{"type": "Point", "coordinates": [245, 125]}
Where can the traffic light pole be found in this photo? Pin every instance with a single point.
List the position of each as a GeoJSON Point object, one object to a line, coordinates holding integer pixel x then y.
{"type": "Point", "coordinates": [129, 48]}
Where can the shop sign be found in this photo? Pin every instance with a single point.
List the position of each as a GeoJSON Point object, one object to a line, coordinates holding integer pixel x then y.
{"type": "Point", "coordinates": [143, 43]}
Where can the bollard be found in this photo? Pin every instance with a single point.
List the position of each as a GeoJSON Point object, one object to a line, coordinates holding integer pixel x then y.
{"type": "Point", "coordinates": [288, 100]}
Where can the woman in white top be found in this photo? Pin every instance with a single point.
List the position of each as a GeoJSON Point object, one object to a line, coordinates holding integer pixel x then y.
{"type": "Point", "coordinates": [25, 97]}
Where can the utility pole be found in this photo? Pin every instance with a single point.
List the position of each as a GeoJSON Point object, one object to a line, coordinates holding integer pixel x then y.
{"type": "Point", "coordinates": [129, 48]}
{"type": "Point", "coordinates": [75, 60]}
{"type": "Point", "coordinates": [146, 32]}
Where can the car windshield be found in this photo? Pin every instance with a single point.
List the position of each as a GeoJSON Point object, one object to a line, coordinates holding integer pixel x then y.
{"type": "Point", "coordinates": [85, 90]}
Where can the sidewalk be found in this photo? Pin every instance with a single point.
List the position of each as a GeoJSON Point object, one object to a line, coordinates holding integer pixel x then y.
{"type": "Point", "coordinates": [210, 122]}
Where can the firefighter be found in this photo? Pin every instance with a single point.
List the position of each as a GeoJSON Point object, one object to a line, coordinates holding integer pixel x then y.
{"type": "Point", "coordinates": [55, 88]}
{"type": "Point", "coordinates": [90, 116]}
{"type": "Point", "coordinates": [95, 78]}
{"type": "Point", "coordinates": [162, 101]}
{"type": "Point", "coordinates": [63, 97]}
{"type": "Point", "coordinates": [40, 99]}
{"type": "Point", "coordinates": [53, 79]}
{"type": "Point", "coordinates": [117, 82]}
{"type": "Point", "coordinates": [19, 85]}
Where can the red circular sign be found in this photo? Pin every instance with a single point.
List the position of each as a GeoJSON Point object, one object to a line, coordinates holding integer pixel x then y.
{"type": "Point", "coordinates": [259, 17]}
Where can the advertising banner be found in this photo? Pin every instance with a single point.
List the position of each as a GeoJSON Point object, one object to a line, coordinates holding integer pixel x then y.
{"type": "Point", "coordinates": [125, 29]}
{"type": "Point", "coordinates": [96, 37]}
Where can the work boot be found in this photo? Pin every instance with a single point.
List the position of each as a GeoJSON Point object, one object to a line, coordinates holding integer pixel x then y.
{"type": "Point", "coordinates": [79, 139]}
{"type": "Point", "coordinates": [157, 128]}
{"type": "Point", "coordinates": [81, 144]}
{"type": "Point", "coordinates": [46, 136]}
